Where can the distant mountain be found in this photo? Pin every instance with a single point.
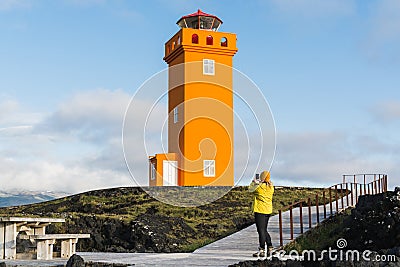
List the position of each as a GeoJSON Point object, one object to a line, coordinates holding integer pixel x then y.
{"type": "Point", "coordinates": [17, 198]}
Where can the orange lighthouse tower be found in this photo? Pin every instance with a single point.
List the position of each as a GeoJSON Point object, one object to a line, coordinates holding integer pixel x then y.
{"type": "Point", "coordinates": [200, 106]}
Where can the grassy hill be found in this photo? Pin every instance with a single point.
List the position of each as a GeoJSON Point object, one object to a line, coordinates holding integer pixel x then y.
{"type": "Point", "coordinates": [129, 220]}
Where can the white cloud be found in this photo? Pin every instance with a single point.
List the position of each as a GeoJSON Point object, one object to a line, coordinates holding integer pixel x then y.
{"type": "Point", "coordinates": [322, 158]}
{"type": "Point", "coordinates": [44, 174]}
{"type": "Point", "coordinates": [77, 147]}
{"type": "Point", "coordinates": [7, 106]}
{"type": "Point", "coordinates": [90, 116]}
{"type": "Point", "coordinates": [12, 116]}
{"type": "Point", "coordinates": [387, 112]}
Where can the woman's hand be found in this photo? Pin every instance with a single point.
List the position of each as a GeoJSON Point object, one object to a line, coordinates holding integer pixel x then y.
{"type": "Point", "coordinates": [253, 185]}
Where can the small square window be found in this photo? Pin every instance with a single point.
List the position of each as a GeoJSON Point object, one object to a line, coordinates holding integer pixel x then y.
{"type": "Point", "coordinates": [208, 67]}
{"type": "Point", "coordinates": [209, 168]}
{"type": "Point", "coordinates": [175, 114]}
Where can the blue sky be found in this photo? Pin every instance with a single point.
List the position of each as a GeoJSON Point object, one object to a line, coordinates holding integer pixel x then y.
{"type": "Point", "coordinates": [329, 70]}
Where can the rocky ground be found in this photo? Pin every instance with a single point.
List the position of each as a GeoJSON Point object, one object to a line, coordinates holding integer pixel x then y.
{"type": "Point", "coordinates": [374, 224]}
{"type": "Point", "coordinates": [77, 261]}
{"type": "Point", "coordinates": [147, 233]}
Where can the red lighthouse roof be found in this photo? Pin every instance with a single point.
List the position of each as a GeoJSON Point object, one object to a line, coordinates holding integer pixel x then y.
{"type": "Point", "coordinates": [200, 20]}
{"type": "Point", "coordinates": [200, 13]}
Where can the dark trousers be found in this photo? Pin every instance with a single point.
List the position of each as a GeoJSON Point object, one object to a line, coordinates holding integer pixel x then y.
{"type": "Point", "coordinates": [262, 224]}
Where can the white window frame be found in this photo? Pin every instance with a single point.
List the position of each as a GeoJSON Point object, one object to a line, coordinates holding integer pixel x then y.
{"type": "Point", "coordinates": [153, 171]}
{"type": "Point", "coordinates": [176, 112]}
{"type": "Point", "coordinates": [209, 168]}
{"type": "Point", "coordinates": [208, 67]}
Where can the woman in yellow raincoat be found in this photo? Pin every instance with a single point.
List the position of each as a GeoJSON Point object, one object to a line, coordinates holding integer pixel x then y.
{"type": "Point", "coordinates": [263, 190]}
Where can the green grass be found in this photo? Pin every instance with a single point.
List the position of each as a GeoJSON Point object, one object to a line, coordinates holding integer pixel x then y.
{"type": "Point", "coordinates": [195, 244]}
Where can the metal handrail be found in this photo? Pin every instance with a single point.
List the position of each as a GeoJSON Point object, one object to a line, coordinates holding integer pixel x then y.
{"type": "Point", "coordinates": [374, 187]}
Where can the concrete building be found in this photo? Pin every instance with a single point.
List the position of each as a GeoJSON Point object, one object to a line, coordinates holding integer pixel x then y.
{"type": "Point", "coordinates": [200, 106]}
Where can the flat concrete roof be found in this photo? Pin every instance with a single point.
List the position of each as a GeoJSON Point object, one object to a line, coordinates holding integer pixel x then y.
{"type": "Point", "coordinates": [58, 236]}
{"type": "Point", "coordinates": [30, 219]}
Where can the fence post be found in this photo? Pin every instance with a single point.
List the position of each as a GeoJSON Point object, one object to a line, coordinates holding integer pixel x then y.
{"type": "Point", "coordinates": [356, 187]}
{"type": "Point", "coordinates": [365, 186]}
{"type": "Point", "coordinates": [341, 195]}
{"type": "Point", "coordinates": [347, 195]}
{"type": "Point", "coordinates": [301, 217]}
{"type": "Point", "coordinates": [291, 221]}
{"type": "Point", "coordinates": [280, 229]}
{"type": "Point", "coordinates": [352, 194]}
{"type": "Point", "coordinates": [383, 183]}
{"type": "Point", "coordinates": [379, 185]}
{"type": "Point", "coordinates": [309, 213]}
{"type": "Point", "coordinates": [330, 200]}
{"type": "Point", "coordinates": [369, 192]}
{"type": "Point", "coordinates": [317, 207]}
{"type": "Point", "coordinates": [336, 199]}
{"type": "Point", "coordinates": [373, 187]}
{"type": "Point", "coordinates": [386, 183]}
{"type": "Point", "coordinates": [324, 200]}
{"type": "Point", "coordinates": [361, 192]}
{"type": "Point", "coordinates": [377, 188]}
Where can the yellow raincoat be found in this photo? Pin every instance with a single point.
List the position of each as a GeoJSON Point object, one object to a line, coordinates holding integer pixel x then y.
{"type": "Point", "coordinates": [262, 202]}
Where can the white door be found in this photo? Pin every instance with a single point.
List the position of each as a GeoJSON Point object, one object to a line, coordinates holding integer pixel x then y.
{"type": "Point", "coordinates": [170, 173]}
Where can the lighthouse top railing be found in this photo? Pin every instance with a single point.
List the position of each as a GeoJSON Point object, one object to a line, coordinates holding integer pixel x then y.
{"type": "Point", "coordinates": [201, 21]}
